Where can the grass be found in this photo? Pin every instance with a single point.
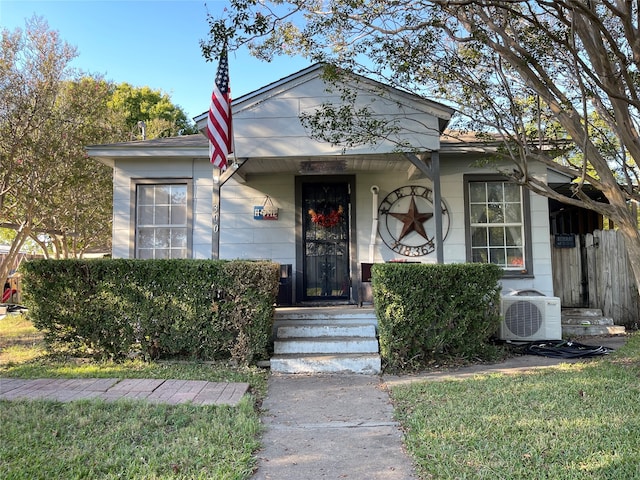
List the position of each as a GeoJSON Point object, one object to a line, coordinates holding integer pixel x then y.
{"type": "Point", "coordinates": [133, 440]}
{"type": "Point", "coordinates": [576, 421]}
{"type": "Point", "coordinates": [123, 439]}
{"type": "Point", "coordinates": [23, 355]}
{"type": "Point", "coordinates": [19, 340]}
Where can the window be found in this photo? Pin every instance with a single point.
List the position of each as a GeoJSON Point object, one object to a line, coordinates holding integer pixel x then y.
{"type": "Point", "coordinates": [497, 224]}
{"type": "Point", "coordinates": [162, 220]}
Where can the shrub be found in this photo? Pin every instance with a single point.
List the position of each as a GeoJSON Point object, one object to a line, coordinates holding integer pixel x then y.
{"type": "Point", "coordinates": [201, 309]}
{"type": "Point", "coordinates": [428, 312]}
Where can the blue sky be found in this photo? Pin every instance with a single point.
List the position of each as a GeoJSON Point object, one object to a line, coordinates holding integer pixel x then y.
{"type": "Point", "coordinates": [149, 42]}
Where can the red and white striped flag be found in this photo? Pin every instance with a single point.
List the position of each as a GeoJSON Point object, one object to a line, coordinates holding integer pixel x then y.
{"type": "Point", "coordinates": [219, 122]}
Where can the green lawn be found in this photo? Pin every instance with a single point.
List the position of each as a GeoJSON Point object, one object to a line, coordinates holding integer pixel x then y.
{"type": "Point", "coordinates": [576, 421]}
{"type": "Point", "coordinates": [132, 440]}
{"type": "Point", "coordinates": [19, 341]}
{"type": "Point", "coordinates": [124, 439]}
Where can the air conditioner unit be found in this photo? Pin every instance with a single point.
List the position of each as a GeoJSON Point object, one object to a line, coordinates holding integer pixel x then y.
{"type": "Point", "coordinates": [529, 319]}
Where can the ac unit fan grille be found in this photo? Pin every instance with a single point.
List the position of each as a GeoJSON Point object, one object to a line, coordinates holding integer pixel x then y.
{"type": "Point", "coordinates": [523, 319]}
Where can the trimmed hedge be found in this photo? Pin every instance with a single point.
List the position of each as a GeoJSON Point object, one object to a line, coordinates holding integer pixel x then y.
{"type": "Point", "coordinates": [428, 312]}
{"type": "Point", "coordinates": [113, 308]}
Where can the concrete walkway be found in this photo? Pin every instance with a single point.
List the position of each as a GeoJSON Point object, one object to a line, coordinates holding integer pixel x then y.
{"type": "Point", "coordinates": [160, 391]}
{"type": "Point", "coordinates": [338, 426]}
{"type": "Point", "coordinates": [330, 426]}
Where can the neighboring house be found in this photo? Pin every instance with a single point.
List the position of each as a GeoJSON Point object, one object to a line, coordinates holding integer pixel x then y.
{"type": "Point", "coordinates": [324, 211]}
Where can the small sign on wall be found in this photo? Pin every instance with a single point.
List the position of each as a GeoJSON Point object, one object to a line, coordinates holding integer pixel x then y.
{"type": "Point", "coordinates": [266, 211]}
{"type": "Point", "coordinates": [565, 240]}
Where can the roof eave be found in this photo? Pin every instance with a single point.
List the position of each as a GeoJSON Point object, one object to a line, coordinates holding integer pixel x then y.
{"type": "Point", "coordinates": [109, 156]}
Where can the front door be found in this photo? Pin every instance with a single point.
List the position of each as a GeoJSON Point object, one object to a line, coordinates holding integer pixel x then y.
{"type": "Point", "coordinates": [325, 241]}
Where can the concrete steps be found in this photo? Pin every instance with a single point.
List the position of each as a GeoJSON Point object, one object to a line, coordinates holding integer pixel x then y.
{"type": "Point", "coordinates": [584, 322]}
{"type": "Point", "coordinates": [325, 340]}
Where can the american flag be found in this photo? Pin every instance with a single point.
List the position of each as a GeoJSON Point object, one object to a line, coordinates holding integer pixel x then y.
{"type": "Point", "coordinates": [219, 122]}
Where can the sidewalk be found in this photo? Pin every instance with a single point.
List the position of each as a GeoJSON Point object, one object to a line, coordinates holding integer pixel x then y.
{"type": "Point", "coordinates": [330, 426]}
{"type": "Point", "coordinates": [160, 391]}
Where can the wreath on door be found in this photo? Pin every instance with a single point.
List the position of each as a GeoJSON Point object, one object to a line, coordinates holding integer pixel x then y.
{"type": "Point", "coordinates": [326, 214]}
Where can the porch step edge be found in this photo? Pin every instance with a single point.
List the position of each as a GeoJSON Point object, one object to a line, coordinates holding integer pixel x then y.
{"type": "Point", "coordinates": [367, 364]}
{"type": "Point", "coordinates": [323, 330]}
{"type": "Point", "coordinates": [319, 314]}
{"type": "Point", "coordinates": [340, 345]}
{"type": "Point", "coordinates": [581, 312]}
{"type": "Point", "coordinates": [588, 330]}
{"type": "Point", "coordinates": [342, 322]}
{"type": "Point", "coordinates": [586, 320]}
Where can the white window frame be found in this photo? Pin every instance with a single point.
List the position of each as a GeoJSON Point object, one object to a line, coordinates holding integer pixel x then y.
{"type": "Point", "coordinates": [516, 259]}
{"type": "Point", "coordinates": [168, 249]}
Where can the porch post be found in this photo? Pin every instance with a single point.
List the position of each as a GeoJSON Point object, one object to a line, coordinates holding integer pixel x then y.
{"type": "Point", "coordinates": [433, 172]}
{"type": "Point", "coordinates": [437, 204]}
{"type": "Point", "coordinates": [219, 179]}
{"type": "Point", "coordinates": [215, 215]}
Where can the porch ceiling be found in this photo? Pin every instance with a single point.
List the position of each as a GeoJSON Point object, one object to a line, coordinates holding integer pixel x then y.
{"type": "Point", "coordinates": [343, 164]}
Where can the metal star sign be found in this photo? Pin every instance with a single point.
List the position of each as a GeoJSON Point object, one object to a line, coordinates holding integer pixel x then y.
{"type": "Point", "coordinates": [408, 210]}
{"type": "Point", "coordinates": [413, 220]}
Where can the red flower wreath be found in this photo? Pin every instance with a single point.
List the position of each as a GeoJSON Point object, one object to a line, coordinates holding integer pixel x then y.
{"type": "Point", "coordinates": [328, 219]}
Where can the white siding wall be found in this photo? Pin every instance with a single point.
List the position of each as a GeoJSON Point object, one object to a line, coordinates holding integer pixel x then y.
{"type": "Point", "coordinates": [452, 195]}
{"type": "Point", "coordinates": [125, 173]}
{"type": "Point", "coordinates": [454, 245]}
{"type": "Point", "coordinates": [542, 271]}
{"type": "Point", "coordinates": [122, 205]}
{"type": "Point", "coordinates": [242, 237]}
{"type": "Point", "coordinates": [202, 202]}
{"type": "Point", "coordinates": [246, 238]}
{"type": "Point", "coordinates": [276, 115]}
{"type": "Point", "coordinates": [452, 173]}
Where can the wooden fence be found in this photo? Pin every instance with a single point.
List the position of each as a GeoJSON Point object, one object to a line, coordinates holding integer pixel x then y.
{"type": "Point", "coordinates": [596, 274]}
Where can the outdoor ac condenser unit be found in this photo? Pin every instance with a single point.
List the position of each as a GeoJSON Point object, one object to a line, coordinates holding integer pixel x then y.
{"type": "Point", "coordinates": [529, 319]}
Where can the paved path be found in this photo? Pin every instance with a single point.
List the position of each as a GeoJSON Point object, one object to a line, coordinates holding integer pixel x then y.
{"type": "Point", "coordinates": [198, 392]}
{"type": "Point", "coordinates": [330, 426]}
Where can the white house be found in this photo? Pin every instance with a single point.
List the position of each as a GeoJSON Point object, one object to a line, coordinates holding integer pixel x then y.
{"type": "Point", "coordinates": [323, 210]}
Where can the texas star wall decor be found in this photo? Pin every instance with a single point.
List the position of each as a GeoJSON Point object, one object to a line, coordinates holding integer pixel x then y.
{"type": "Point", "coordinates": [406, 221]}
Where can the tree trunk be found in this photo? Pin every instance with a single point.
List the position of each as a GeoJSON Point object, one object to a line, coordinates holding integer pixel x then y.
{"type": "Point", "coordinates": [629, 229]}
{"type": "Point", "coordinates": [14, 252]}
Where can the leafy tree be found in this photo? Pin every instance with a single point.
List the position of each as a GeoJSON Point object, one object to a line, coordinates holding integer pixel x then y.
{"type": "Point", "coordinates": [32, 64]}
{"type": "Point", "coordinates": [76, 211]}
{"type": "Point", "coordinates": [51, 193]}
{"type": "Point", "coordinates": [152, 107]}
{"type": "Point", "coordinates": [530, 74]}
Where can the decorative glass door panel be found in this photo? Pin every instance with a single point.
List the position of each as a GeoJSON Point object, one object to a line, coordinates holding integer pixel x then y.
{"type": "Point", "coordinates": [325, 233]}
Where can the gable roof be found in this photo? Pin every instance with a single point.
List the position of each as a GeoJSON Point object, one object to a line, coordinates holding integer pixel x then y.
{"type": "Point", "coordinates": [267, 122]}
{"type": "Point", "coordinates": [268, 131]}
{"type": "Point", "coordinates": [440, 110]}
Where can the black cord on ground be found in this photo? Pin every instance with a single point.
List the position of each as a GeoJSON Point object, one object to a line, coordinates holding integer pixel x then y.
{"type": "Point", "coordinates": [564, 349]}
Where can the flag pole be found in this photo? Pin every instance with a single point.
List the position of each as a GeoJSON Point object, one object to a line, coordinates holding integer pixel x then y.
{"type": "Point", "coordinates": [215, 214]}
{"type": "Point", "coordinates": [219, 133]}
